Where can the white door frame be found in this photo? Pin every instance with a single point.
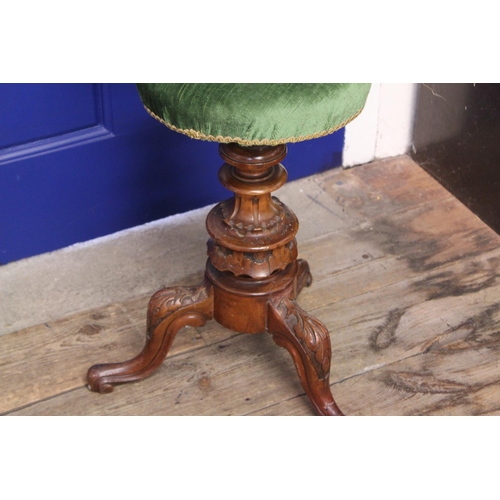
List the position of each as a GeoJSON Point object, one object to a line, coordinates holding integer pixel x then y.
{"type": "Point", "coordinates": [385, 126]}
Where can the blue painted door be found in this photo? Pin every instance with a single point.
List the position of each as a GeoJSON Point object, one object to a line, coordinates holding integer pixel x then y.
{"type": "Point", "coordinates": [78, 161]}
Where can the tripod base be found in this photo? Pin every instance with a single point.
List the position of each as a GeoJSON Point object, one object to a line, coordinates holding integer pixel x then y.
{"type": "Point", "coordinates": [273, 309]}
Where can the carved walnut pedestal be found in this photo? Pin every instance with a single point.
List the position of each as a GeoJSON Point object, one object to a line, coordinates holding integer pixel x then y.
{"type": "Point", "coordinates": [252, 280]}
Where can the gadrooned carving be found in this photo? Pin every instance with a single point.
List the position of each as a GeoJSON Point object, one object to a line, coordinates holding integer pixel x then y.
{"type": "Point", "coordinates": [253, 264]}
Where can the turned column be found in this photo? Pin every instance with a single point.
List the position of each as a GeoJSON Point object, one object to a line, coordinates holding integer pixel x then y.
{"type": "Point", "coordinates": [252, 236]}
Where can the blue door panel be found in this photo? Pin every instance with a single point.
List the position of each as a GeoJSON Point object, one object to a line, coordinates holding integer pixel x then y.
{"type": "Point", "coordinates": [35, 112]}
{"type": "Point", "coordinates": [89, 161]}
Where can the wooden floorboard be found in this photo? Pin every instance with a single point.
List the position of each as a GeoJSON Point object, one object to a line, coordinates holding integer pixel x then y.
{"type": "Point", "coordinates": [405, 278]}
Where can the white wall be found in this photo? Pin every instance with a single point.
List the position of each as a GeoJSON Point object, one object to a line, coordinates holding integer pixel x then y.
{"type": "Point", "coordinates": [385, 126]}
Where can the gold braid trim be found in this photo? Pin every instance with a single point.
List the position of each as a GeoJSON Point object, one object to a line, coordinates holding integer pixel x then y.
{"type": "Point", "coordinates": [195, 134]}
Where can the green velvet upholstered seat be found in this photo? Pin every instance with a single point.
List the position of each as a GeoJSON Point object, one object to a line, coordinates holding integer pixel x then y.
{"type": "Point", "coordinates": [254, 113]}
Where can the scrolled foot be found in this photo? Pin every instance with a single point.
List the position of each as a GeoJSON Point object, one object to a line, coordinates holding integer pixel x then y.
{"type": "Point", "coordinates": [308, 342]}
{"type": "Point", "coordinates": [169, 310]}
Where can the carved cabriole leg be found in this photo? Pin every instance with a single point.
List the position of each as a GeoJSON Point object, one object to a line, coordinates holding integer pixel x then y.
{"type": "Point", "coordinates": [169, 310]}
{"type": "Point", "coordinates": [308, 341]}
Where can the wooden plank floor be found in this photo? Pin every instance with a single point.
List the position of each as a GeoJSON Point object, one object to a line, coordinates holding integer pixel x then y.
{"type": "Point", "coordinates": [405, 277]}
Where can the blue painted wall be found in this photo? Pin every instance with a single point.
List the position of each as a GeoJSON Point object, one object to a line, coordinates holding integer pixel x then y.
{"type": "Point", "coordinates": [82, 161]}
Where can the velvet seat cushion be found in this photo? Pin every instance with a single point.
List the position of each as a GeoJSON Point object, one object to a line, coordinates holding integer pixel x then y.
{"type": "Point", "coordinates": [254, 113]}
